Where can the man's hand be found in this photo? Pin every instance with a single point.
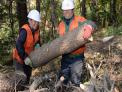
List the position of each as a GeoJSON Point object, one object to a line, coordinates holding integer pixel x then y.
{"type": "Point", "coordinates": [28, 61]}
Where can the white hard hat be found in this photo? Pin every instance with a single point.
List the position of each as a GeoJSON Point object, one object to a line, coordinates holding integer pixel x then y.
{"type": "Point", "coordinates": [67, 5]}
{"type": "Point", "coordinates": [35, 15]}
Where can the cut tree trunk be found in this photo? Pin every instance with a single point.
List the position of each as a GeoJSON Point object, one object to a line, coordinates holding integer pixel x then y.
{"type": "Point", "coordinates": [62, 45]}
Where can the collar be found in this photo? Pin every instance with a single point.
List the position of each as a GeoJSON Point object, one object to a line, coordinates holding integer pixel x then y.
{"type": "Point", "coordinates": [67, 20]}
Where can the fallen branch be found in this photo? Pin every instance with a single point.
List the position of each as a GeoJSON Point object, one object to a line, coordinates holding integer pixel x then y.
{"type": "Point", "coordinates": [37, 82]}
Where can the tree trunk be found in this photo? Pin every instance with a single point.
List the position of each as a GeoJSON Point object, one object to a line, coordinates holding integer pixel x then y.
{"type": "Point", "coordinates": [11, 17]}
{"type": "Point", "coordinates": [53, 13]}
{"type": "Point", "coordinates": [65, 44]}
{"type": "Point", "coordinates": [38, 5]}
{"type": "Point", "coordinates": [113, 15]}
{"type": "Point", "coordinates": [93, 8]}
{"type": "Point", "coordinates": [21, 12]}
{"type": "Point", "coordinates": [83, 7]}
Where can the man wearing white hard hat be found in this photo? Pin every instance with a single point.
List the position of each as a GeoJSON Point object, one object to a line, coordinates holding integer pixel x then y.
{"type": "Point", "coordinates": [73, 64]}
{"type": "Point", "coordinates": [28, 38]}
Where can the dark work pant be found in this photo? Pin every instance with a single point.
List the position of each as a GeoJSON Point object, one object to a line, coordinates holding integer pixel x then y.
{"type": "Point", "coordinates": [27, 70]}
{"type": "Point", "coordinates": [72, 68]}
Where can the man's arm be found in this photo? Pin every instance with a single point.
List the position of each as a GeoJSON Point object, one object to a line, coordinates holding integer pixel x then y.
{"type": "Point", "coordinates": [20, 44]}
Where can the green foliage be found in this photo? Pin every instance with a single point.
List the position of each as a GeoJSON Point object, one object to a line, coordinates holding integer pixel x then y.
{"type": "Point", "coordinates": [120, 19]}
{"type": "Point", "coordinates": [48, 32]}
{"type": "Point", "coordinates": [5, 43]}
{"type": "Point", "coordinates": [7, 35]}
{"type": "Point", "coordinates": [111, 30]}
{"type": "Point", "coordinates": [3, 11]}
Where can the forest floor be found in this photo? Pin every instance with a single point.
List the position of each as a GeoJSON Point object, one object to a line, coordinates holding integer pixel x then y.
{"type": "Point", "coordinates": [105, 57]}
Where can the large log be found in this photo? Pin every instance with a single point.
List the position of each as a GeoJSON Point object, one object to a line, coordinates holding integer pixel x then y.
{"type": "Point", "coordinates": [65, 44]}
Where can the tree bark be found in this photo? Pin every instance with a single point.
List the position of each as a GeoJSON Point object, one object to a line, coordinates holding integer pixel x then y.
{"type": "Point", "coordinates": [94, 10]}
{"type": "Point", "coordinates": [83, 7]}
{"type": "Point", "coordinates": [11, 17]}
{"type": "Point", "coordinates": [38, 5]}
{"type": "Point", "coordinates": [53, 13]}
{"type": "Point", "coordinates": [21, 12]}
{"type": "Point", "coordinates": [65, 44]}
{"type": "Point", "coordinates": [113, 15]}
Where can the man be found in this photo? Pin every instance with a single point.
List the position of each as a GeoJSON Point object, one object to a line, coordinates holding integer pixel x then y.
{"type": "Point", "coordinates": [72, 64]}
{"type": "Point", "coordinates": [28, 38]}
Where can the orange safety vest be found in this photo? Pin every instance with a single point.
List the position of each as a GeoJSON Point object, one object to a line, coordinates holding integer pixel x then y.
{"type": "Point", "coordinates": [73, 25]}
{"type": "Point", "coordinates": [28, 45]}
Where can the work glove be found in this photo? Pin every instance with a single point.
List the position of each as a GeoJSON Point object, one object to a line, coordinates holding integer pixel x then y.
{"type": "Point", "coordinates": [28, 61]}
{"type": "Point", "coordinates": [37, 46]}
{"type": "Point", "coordinates": [87, 31]}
